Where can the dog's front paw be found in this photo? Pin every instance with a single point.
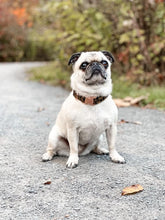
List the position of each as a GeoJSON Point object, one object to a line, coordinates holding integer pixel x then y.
{"type": "Point", "coordinates": [72, 161]}
{"type": "Point", "coordinates": [47, 156]}
{"type": "Point", "coordinates": [116, 157]}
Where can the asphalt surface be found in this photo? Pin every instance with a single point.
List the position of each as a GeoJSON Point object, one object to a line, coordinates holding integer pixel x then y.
{"type": "Point", "coordinates": [93, 189]}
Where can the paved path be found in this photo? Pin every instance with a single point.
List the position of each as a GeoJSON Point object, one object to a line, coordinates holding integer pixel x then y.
{"type": "Point", "coordinates": [91, 191]}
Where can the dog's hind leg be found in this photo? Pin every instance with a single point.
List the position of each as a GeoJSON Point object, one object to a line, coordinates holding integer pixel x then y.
{"type": "Point", "coordinates": [99, 149]}
{"type": "Point", "coordinates": [111, 133]}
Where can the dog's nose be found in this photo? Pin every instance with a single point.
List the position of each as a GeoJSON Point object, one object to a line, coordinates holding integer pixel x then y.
{"type": "Point", "coordinates": [96, 68]}
{"type": "Point", "coordinates": [96, 71]}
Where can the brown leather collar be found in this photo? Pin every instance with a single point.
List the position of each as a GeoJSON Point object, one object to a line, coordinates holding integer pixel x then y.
{"type": "Point", "coordinates": [92, 100]}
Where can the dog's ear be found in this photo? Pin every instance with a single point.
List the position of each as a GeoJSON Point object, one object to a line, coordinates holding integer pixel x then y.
{"type": "Point", "coordinates": [109, 56]}
{"type": "Point", "coordinates": [74, 58]}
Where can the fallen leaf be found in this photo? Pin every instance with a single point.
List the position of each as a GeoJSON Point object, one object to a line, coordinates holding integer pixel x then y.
{"type": "Point", "coordinates": [63, 82]}
{"type": "Point", "coordinates": [47, 182]}
{"type": "Point", "coordinates": [128, 101]}
{"type": "Point", "coordinates": [48, 124]}
{"type": "Point", "coordinates": [67, 216]}
{"type": "Point", "coordinates": [123, 121]}
{"type": "Point", "coordinates": [138, 99]}
{"type": "Point", "coordinates": [40, 109]}
{"type": "Point", "coordinates": [132, 189]}
{"type": "Point", "coordinates": [121, 103]}
{"type": "Point", "coordinates": [132, 122]}
{"type": "Point", "coordinates": [42, 81]}
{"type": "Point", "coordinates": [137, 122]}
{"type": "Point", "coordinates": [150, 106]}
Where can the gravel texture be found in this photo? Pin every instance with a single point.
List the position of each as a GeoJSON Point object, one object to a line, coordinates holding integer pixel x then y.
{"type": "Point", "coordinates": [93, 189]}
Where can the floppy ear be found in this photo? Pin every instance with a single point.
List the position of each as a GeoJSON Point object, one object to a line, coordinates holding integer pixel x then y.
{"type": "Point", "coordinates": [74, 58]}
{"type": "Point", "coordinates": [109, 56]}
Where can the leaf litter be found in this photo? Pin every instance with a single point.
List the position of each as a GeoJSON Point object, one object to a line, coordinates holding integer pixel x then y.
{"type": "Point", "coordinates": [128, 101]}
{"type": "Point", "coordinates": [40, 109]}
{"type": "Point", "coordinates": [132, 189]}
{"type": "Point", "coordinates": [122, 121]}
{"type": "Point", "coordinates": [48, 182]}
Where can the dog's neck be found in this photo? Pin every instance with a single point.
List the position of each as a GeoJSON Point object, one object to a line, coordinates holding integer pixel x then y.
{"type": "Point", "coordinates": [91, 90]}
{"type": "Point", "coordinates": [92, 100]}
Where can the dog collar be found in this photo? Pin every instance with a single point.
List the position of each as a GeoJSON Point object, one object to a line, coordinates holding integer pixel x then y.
{"type": "Point", "coordinates": [92, 100]}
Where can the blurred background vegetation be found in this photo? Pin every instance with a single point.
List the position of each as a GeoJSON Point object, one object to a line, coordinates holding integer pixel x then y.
{"type": "Point", "coordinates": [42, 30]}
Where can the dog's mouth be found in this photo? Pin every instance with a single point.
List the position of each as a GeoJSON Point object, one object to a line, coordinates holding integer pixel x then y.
{"type": "Point", "coordinates": [95, 73]}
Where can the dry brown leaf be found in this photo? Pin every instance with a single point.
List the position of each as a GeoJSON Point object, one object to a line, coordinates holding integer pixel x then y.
{"type": "Point", "coordinates": [63, 82]}
{"type": "Point", "coordinates": [132, 122]}
{"type": "Point", "coordinates": [132, 189]}
{"type": "Point", "coordinates": [121, 103]}
{"type": "Point", "coordinates": [48, 124]}
{"type": "Point", "coordinates": [138, 99]}
{"type": "Point", "coordinates": [42, 81]}
{"type": "Point", "coordinates": [47, 182]}
{"type": "Point", "coordinates": [128, 101]}
{"type": "Point", "coordinates": [123, 121]}
{"type": "Point", "coordinates": [137, 122]}
{"type": "Point", "coordinates": [40, 109]}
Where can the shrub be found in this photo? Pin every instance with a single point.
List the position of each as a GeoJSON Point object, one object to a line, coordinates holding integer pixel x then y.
{"type": "Point", "coordinates": [14, 21]}
{"type": "Point", "coordinates": [11, 35]}
{"type": "Point", "coordinates": [62, 28]}
{"type": "Point", "coordinates": [132, 30]}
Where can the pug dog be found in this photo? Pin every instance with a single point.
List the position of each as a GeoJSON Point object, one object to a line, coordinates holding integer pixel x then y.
{"type": "Point", "coordinates": [87, 113]}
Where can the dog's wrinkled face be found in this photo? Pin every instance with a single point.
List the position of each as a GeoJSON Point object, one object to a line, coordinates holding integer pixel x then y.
{"type": "Point", "coordinates": [92, 67]}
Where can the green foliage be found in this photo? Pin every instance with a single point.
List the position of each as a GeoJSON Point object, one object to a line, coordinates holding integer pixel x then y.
{"type": "Point", "coordinates": [15, 19]}
{"type": "Point", "coordinates": [61, 29]}
{"type": "Point", "coordinates": [123, 88]}
{"type": "Point", "coordinates": [51, 74]}
{"type": "Point", "coordinates": [132, 30]}
{"type": "Point", "coordinates": [12, 36]}
{"type": "Point", "coordinates": [141, 42]}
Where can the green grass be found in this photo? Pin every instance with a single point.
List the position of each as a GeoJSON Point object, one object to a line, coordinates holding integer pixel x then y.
{"type": "Point", "coordinates": [53, 74]}
{"type": "Point", "coordinates": [155, 94]}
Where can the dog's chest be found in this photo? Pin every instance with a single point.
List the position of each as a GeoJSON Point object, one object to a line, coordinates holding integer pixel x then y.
{"type": "Point", "coordinates": [92, 125]}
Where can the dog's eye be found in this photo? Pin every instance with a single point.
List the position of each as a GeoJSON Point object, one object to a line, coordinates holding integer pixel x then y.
{"type": "Point", "coordinates": [84, 65]}
{"type": "Point", "coordinates": [105, 63]}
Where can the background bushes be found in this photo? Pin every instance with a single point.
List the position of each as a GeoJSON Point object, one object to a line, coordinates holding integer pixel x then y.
{"type": "Point", "coordinates": [132, 30]}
